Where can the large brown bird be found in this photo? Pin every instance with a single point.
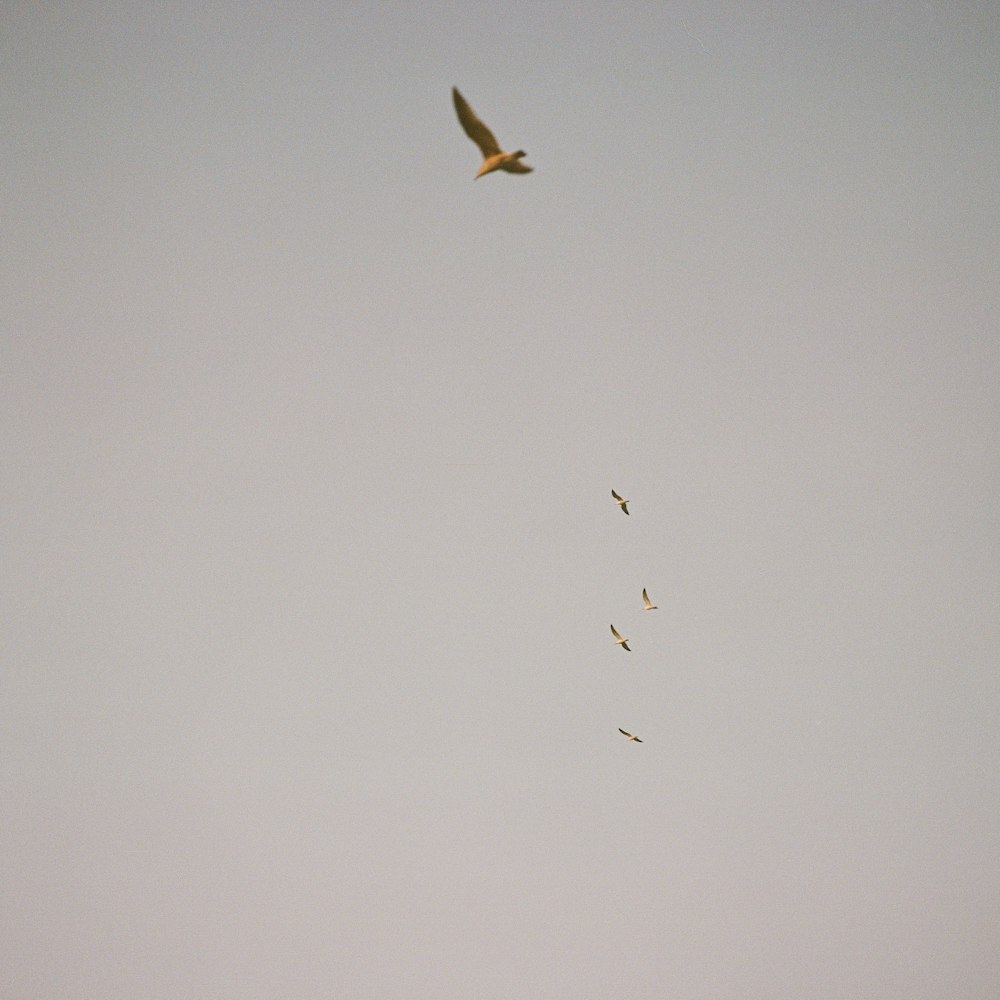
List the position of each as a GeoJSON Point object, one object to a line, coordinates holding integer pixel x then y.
{"type": "Point", "coordinates": [494, 158]}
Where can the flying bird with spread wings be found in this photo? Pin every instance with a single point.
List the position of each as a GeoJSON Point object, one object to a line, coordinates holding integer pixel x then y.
{"type": "Point", "coordinates": [647, 604]}
{"type": "Point", "coordinates": [621, 642]}
{"type": "Point", "coordinates": [494, 158]}
{"type": "Point", "coordinates": [633, 739]}
{"type": "Point", "coordinates": [621, 502]}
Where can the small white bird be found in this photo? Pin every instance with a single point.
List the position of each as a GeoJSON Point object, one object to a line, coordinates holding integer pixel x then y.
{"type": "Point", "coordinates": [494, 158]}
{"type": "Point", "coordinates": [621, 642]}
{"type": "Point", "coordinates": [621, 503]}
{"type": "Point", "coordinates": [634, 739]}
{"type": "Point", "coordinates": [647, 604]}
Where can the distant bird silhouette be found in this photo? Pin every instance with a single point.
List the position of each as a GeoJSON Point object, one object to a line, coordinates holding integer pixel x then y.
{"type": "Point", "coordinates": [621, 642]}
{"type": "Point", "coordinates": [621, 503]}
{"type": "Point", "coordinates": [494, 158]}
{"type": "Point", "coordinates": [634, 739]}
{"type": "Point", "coordinates": [647, 604]}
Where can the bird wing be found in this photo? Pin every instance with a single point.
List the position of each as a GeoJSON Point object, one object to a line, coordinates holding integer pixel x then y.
{"type": "Point", "coordinates": [616, 496]}
{"type": "Point", "coordinates": [614, 632]}
{"type": "Point", "coordinates": [625, 507]}
{"type": "Point", "coordinates": [622, 731]}
{"type": "Point", "coordinates": [474, 128]}
{"type": "Point", "coordinates": [625, 646]}
{"type": "Point", "coordinates": [645, 598]}
{"type": "Point", "coordinates": [636, 738]}
{"type": "Point", "coordinates": [517, 167]}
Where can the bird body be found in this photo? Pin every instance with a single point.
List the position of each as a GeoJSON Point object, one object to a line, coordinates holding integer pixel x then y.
{"type": "Point", "coordinates": [494, 158]}
{"type": "Point", "coordinates": [647, 604]}
{"type": "Point", "coordinates": [632, 739]}
{"type": "Point", "coordinates": [621, 642]}
{"type": "Point", "coordinates": [621, 502]}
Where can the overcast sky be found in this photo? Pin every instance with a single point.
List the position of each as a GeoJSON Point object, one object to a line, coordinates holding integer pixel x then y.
{"type": "Point", "coordinates": [309, 550]}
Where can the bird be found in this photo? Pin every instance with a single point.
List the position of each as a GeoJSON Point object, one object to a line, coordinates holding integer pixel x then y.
{"type": "Point", "coordinates": [494, 158]}
{"type": "Point", "coordinates": [633, 739]}
{"type": "Point", "coordinates": [621, 503]}
{"type": "Point", "coordinates": [647, 604]}
{"type": "Point", "coordinates": [621, 642]}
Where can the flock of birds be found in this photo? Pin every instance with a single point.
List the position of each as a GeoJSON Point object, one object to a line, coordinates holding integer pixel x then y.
{"type": "Point", "coordinates": [494, 158]}
{"type": "Point", "coordinates": [647, 605]}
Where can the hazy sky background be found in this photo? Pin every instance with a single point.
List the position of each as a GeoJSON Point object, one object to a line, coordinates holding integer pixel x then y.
{"type": "Point", "coordinates": [309, 551]}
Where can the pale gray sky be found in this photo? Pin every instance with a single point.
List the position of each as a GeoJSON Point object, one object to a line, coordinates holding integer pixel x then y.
{"type": "Point", "coordinates": [310, 553]}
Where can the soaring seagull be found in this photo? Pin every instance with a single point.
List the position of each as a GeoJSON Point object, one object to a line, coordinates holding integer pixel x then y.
{"type": "Point", "coordinates": [621, 503]}
{"type": "Point", "coordinates": [634, 739]}
{"type": "Point", "coordinates": [494, 158]}
{"type": "Point", "coordinates": [621, 642]}
{"type": "Point", "coordinates": [647, 604]}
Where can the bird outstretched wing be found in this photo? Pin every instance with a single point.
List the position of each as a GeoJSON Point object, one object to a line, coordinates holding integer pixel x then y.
{"type": "Point", "coordinates": [476, 130]}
